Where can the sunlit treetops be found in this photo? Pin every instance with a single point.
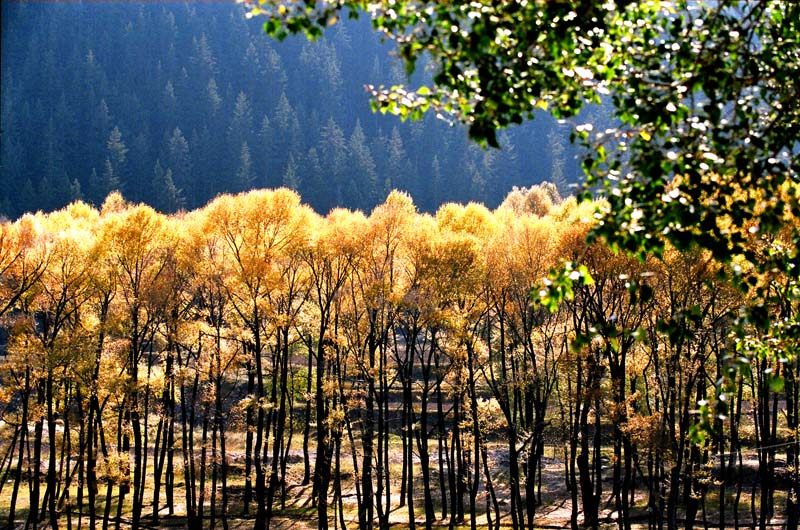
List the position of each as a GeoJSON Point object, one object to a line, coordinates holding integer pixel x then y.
{"type": "Point", "coordinates": [241, 238]}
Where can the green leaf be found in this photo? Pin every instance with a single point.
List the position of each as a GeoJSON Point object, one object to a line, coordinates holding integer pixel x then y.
{"type": "Point", "coordinates": [776, 384]}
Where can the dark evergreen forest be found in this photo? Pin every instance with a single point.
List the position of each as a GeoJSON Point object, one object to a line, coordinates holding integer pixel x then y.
{"type": "Point", "coordinates": [174, 103]}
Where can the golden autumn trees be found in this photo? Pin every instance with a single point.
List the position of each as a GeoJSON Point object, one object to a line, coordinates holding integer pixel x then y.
{"type": "Point", "coordinates": [23, 255]}
{"type": "Point", "coordinates": [329, 259]}
{"type": "Point", "coordinates": [262, 234]}
{"type": "Point", "coordinates": [525, 346]}
{"type": "Point", "coordinates": [230, 361]}
{"type": "Point", "coordinates": [48, 340]}
{"type": "Point", "coordinates": [139, 246]}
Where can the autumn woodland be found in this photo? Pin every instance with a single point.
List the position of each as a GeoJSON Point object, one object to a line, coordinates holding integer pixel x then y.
{"type": "Point", "coordinates": [252, 362]}
{"type": "Point", "coordinates": [562, 291]}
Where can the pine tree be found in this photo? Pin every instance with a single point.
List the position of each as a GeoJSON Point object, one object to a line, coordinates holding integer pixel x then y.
{"type": "Point", "coordinates": [55, 190]}
{"type": "Point", "coordinates": [333, 146]}
{"type": "Point", "coordinates": [114, 167]}
{"type": "Point", "coordinates": [325, 78]}
{"type": "Point", "coordinates": [314, 187]}
{"type": "Point", "coordinates": [291, 178]}
{"type": "Point", "coordinates": [157, 186]}
{"type": "Point", "coordinates": [179, 159]}
{"type": "Point", "coordinates": [283, 113]}
{"type": "Point", "coordinates": [241, 126]}
{"type": "Point", "coordinates": [363, 170]}
{"type": "Point", "coordinates": [213, 97]}
{"type": "Point", "coordinates": [173, 197]}
{"type": "Point", "coordinates": [435, 192]}
{"type": "Point", "coordinates": [477, 181]}
{"type": "Point", "coordinates": [203, 56]}
{"type": "Point", "coordinates": [266, 152]}
{"type": "Point", "coordinates": [75, 193]}
{"type": "Point", "coordinates": [117, 151]}
{"type": "Point", "coordinates": [507, 164]}
{"type": "Point", "coordinates": [244, 174]}
{"type": "Point", "coordinates": [44, 189]}
{"type": "Point", "coordinates": [252, 68]}
{"type": "Point", "coordinates": [492, 193]}
{"type": "Point", "coordinates": [276, 78]}
{"type": "Point", "coordinates": [555, 147]}
{"type": "Point", "coordinates": [168, 197]}
{"type": "Point", "coordinates": [108, 182]}
{"type": "Point", "coordinates": [296, 137]}
{"type": "Point", "coordinates": [398, 168]}
{"type": "Point", "coordinates": [95, 187]}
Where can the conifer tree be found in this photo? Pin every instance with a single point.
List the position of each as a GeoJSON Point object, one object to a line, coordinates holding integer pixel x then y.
{"type": "Point", "coordinates": [213, 97]}
{"type": "Point", "coordinates": [241, 125]}
{"type": "Point", "coordinates": [266, 154]}
{"type": "Point", "coordinates": [169, 106]}
{"type": "Point", "coordinates": [245, 177]}
{"type": "Point", "coordinates": [180, 161]}
{"type": "Point", "coordinates": [333, 148]}
{"type": "Point", "coordinates": [169, 198]}
{"type": "Point", "coordinates": [555, 146]}
{"type": "Point", "coordinates": [203, 57]}
{"type": "Point", "coordinates": [117, 151]}
{"type": "Point", "coordinates": [397, 171]}
{"type": "Point", "coordinates": [109, 181]}
{"type": "Point", "coordinates": [362, 169]}
{"type": "Point", "coordinates": [291, 178]}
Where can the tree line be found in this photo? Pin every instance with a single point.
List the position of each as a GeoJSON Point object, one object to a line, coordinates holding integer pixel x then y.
{"type": "Point", "coordinates": [214, 363]}
{"type": "Point", "coordinates": [160, 101]}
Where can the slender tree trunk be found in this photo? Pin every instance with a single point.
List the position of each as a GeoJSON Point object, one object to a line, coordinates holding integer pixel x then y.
{"type": "Point", "coordinates": [23, 430]}
{"type": "Point", "coordinates": [424, 453]}
{"type": "Point", "coordinates": [161, 446]}
{"type": "Point", "coordinates": [476, 438]}
{"type": "Point", "coordinates": [283, 360]}
{"type": "Point", "coordinates": [189, 468]}
{"type": "Point", "coordinates": [408, 438]}
{"type": "Point", "coordinates": [366, 512]}
{"type": "Point", "coordinates": [201, 496]}
{"type": "Point", "coordinates": [250, 425]}
{"type": "Point", "coordinates": [322, 470]}
{"type": "Point", "coordinates": [262, 442]}
{"type": "Point", "coordinates": [307, 415]}
{"type": "Point", "coordinates": [33, 514]}
{"type": "Point", "coordinates": [51, 487]}
{"type": "Point", "coordinates": [492, 506]}
{"type": "Point", "coordinates": [441, 438]}
{"type": "Point", "coordinates": [383, 492]}
{"type": "Point", "coordinates": [134, 417]}
{"type": "Point", "coordinates": [792, 450]}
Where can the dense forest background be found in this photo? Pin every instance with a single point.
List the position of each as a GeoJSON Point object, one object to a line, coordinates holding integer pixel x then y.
{"type": "Point", "coordinates": [174, 103]}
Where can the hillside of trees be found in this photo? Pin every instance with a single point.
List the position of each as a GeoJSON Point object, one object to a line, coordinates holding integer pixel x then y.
{"type": "Point", "coordinates": [273, 333]}
{"type": "Point", "coordinates": [253, 360]}
{"type": "Point", "coordinates": [174, 103]}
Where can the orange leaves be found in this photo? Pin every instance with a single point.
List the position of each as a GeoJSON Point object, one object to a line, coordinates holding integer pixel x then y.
{"type": "Point", "coordinates": [258, 261]}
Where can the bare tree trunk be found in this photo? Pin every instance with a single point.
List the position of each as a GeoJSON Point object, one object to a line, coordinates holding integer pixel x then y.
{"type": "Point", "coordinates": [366, 512]}
{"type": "Point", "coordinates": [307, 415]}
{"type": "Point", "coordinates": [322, 470]}
{"type": "Point", "coordinates": [250, 425]}
{"type": "Point", "coordinates": [33, 514]}
{"type": "Point", "coordinates": [166, 420]}
{"type": "Point", "coordinates": [23, 428]}
{"type": "Point", "coordinates": [282, 350]}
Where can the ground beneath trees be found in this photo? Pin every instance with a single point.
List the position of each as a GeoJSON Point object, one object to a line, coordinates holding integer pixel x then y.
{"type": "Point", "coordinates": [554, 512]}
